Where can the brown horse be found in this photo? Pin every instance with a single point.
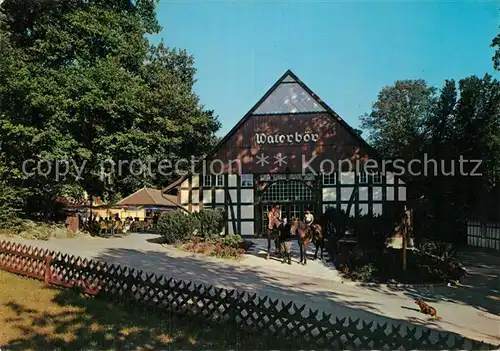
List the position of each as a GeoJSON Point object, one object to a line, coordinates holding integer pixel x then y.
{"type": "Point", "coordinates": [304, 237]}
{"type": "Point", "coordinates": [306, 234]}
{"type": "Point", "coordinates": [318, 239]}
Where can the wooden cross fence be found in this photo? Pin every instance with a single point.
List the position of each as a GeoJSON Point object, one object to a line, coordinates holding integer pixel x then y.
{"type": "Point", "coordinates": [218, 305]}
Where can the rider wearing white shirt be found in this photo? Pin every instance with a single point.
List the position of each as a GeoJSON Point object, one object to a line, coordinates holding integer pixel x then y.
{"type": "Point", "coordinates": [309, 217]}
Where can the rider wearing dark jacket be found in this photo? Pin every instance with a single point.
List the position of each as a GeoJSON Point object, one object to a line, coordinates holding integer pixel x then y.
{"type": "Point", "coordinates": [286, 242]}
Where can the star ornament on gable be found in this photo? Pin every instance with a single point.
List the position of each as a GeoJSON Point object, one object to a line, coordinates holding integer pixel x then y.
{"type": "Point", "coordinates": [262, 160]}
{"type": "Point", "coordinates": [280, 159]}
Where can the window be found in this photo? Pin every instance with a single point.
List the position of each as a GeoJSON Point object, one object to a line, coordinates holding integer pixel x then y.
{"type": "Point", "coordinates": [377, 178]}
{"type": "Point", "coordinates": [294, 211]}
{"type": "Point", "coordinates": [288, 191]}
{"type": "Point", "coordinates": [207, 180]}
{"type": "Point", "coordinates": [247, 180]}
{"type": "Point", "coordinates": [219, 180]}
{"type": "Point", "coordinates": [363, 178]}
{"type": "Point", "coordinates": [330, 179]}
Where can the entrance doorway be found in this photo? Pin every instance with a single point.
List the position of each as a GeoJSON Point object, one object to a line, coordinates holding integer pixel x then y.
{"type": "Point", "coordinates": [293, 196]}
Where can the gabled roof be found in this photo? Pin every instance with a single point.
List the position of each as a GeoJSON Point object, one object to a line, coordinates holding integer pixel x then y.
{"type": "Point", "coordinates": [288, 95]}
{"type": "Point", "coordinates": [148, 197]}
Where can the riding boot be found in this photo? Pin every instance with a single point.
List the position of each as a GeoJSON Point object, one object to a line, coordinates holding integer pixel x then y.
{"type": "Point", "coordinates": [289, 258]}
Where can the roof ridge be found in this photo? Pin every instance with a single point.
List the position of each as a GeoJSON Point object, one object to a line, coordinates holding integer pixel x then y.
{"type": "Point", "coordinates": [153, 200]}
{"type": "Point", "coordinates": [126, 197]}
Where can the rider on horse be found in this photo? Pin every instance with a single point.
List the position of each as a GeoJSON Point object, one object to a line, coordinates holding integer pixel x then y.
{"type": "Point", "coordinates": [274, 216]}
{"type": "Point", "coordinates": [309, 217]}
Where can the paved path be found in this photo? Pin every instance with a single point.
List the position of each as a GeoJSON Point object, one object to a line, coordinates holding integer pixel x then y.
{"type": "Point", "coordinates": [472, 310]}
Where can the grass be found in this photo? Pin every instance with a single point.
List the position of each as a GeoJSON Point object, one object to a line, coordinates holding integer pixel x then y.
{"type": "Point", "coordinates": [35, 317]}
{"type": "Point", "coordinates": [40, 231]}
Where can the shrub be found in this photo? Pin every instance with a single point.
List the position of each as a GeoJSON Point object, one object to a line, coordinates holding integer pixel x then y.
{"type": "Point", "coordinates": [232, 240]}
{"type": "Point", "coordinates": [210, 222]}
{"type": "Point", "coordinates": [10, 203]}
{"type": "Point", "coordinates": [337, 222]}
{"type": "Point", "coordinates": [370, 231]}
{"type": "Point", "coordinates": [176, 226]}
{"type": "Point", "coordinates": [441, 250]}
{"type": "Point", "coordinates": [364, 273]}
{"type": "Point", "coordinates": [226, 247]}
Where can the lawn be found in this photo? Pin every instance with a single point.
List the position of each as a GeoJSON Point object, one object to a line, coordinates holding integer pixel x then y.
{"type": "Point", "coordinates": [35, 317]}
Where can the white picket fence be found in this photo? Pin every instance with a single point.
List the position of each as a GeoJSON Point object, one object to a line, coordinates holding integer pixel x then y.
{"type": "Point", "coordinates": [483, 234]}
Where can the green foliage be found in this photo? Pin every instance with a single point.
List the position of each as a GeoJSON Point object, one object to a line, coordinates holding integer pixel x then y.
{"type": "Point", "coordinates": [496, 57]}
{"type": "Point", "coordinates": [10, 199]}
{"type": "Point", "coordinates": [387, 268]}
{"type": "Point", "coordinates": [459, 121]}
{"type": "Point", "coordinates": [211, 222]}
{"type": "Point", "coordinates": [9, 207]}
{"type": "Point", "coordinates": [80, 82]}
{"type": "Point", "coordinates": [337, 222]}
{"type": "Point", "coordinates": [441, 250]}
{"type": "Point", "coordinates": [371, 232]}
{"type": "Point", "coordinates": [395, 123]}
{"type": "Point", "coordinates": [32, 230]}
{"type": "Point", "coordinates": [365, 273]}
{"type": "Point", "coordinates": [232, 240]}
{"type": "Point", "coordinates": [177, 226]}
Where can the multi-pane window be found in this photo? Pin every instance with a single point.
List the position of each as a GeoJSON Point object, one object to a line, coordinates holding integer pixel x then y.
{"type": "Point", "coordinates": [330, 179]}
{"type": "Point", "coordinates": [207, 180]}
{"type": "Point", "coordinates": [247, 180]}
{"type": "Point", "coordinates": [288, 191]}
{"type": "Point", "coordinates": [377, 178]}
{"type": "Point", "coordinates": [219, 180]}
{"type": "Point", "coordinates": [294, 211]}
{"type": "Point", "coordinates": [363, 178]}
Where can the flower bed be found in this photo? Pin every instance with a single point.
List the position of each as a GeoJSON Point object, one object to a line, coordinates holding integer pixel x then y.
{"type": "Point", "coordinates": [230, 246]}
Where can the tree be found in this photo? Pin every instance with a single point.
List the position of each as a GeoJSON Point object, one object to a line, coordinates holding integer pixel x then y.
{"type": "Point", "coordinates": [463, 121]}
{"type": "Point", "coordinates": [79, 81]}
{"type": "Point", "coordinates": [496, 56]}
{"type": "Point", "coordinates": [395, 124]}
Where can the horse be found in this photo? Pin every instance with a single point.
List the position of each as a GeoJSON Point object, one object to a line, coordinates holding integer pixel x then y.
{"type": "Point", "coordinates": [304, 237]}
{"type": "Point", "coordinates": [306, 234]}
{"type": "Point", "coordinates": [318, 239]}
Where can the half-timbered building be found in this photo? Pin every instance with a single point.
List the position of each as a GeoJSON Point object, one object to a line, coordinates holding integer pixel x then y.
{"type": "Point", "coordinates": [288, 149]}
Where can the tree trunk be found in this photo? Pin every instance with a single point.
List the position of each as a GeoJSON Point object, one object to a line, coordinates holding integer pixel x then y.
{"type": "Point", "coordinates": [91, 202]}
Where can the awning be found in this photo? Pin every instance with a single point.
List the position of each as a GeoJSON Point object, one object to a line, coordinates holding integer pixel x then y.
{"type": "Point", "coordinates": [156, 208]}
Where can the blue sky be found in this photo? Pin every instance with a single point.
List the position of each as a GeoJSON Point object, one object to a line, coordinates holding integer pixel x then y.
{"type": "Point", "coordinates": [346, 52]}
